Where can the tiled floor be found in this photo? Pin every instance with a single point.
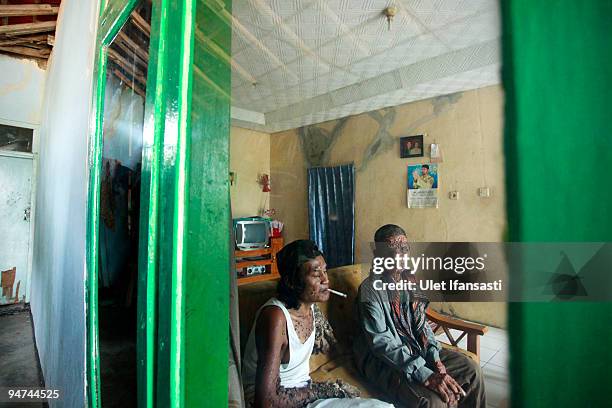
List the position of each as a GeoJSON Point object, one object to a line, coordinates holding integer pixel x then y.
{"type": "Point", "coordinates": [494, 363]}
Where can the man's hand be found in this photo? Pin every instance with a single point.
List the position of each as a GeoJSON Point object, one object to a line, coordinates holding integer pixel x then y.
{"type": "Point", "coordinates": [439, 367]}
{"type": "Point", "coordinates": [446, 387]}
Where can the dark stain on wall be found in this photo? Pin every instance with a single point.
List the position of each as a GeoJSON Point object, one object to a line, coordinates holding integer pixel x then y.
{"type": "Point", "coordinates": [317, 142]}
{"type": "Point", "coordinates": [383, 140]}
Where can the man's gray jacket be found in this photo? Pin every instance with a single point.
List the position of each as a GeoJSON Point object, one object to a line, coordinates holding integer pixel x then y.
{"type": "Point", "coordinates": [379, 342]}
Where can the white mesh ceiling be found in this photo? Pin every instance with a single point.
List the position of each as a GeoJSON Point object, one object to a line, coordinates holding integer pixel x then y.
{"type": "Point", "coordinates": [318, 60]}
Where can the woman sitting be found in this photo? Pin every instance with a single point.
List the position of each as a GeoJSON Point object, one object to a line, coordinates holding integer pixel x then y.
{"type": "Point", "coordinates": [276, 359]}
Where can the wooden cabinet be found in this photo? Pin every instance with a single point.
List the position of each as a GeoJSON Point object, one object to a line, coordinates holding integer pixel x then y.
{"type": "Point", "coordinates": [264, 257]}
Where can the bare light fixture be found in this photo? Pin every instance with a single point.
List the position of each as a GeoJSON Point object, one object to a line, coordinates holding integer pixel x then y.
{"type": "Point", "coordinates": [390, 12]}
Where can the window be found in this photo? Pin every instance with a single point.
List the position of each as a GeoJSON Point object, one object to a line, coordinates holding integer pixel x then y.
{"type": "Point", "coordinates": [16, 139]}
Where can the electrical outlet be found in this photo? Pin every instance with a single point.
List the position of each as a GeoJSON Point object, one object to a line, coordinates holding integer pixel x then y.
{"type": "Point", "coordinates": [453, 195]}
{"type": "Point", "coordinates": [484, 192]}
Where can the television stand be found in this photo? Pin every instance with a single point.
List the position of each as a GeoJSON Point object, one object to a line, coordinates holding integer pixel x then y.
{"type": "Point", "coordinates": [265, 257]}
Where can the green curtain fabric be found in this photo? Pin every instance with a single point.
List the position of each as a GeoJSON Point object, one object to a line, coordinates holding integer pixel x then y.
{"type": "Point", "coordinates": [557, 73]}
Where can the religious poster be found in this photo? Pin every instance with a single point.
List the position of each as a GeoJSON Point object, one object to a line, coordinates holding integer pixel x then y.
{"type": "Point", "coordinates": [423, 185]}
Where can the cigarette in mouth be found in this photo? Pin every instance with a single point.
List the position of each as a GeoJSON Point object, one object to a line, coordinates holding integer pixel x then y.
{"type": "Point", "coordinates": [335, 292]}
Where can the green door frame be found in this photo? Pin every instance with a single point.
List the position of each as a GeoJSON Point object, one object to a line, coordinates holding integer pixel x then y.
{"type": "Point", "coordinates": [167, 189]}
{"type": "Point", "coordinates": [557, 71]}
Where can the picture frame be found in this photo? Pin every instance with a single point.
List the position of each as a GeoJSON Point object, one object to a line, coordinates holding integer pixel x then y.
{"type": "Point", "coordinates": [411, 146]}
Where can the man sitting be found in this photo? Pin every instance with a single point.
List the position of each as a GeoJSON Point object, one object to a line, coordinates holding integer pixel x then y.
{"type": "Point", "coordinates": [396, 349]}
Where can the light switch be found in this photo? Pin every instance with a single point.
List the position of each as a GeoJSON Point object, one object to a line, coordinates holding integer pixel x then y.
{"type": "Point", "coordinates": [484, 192]}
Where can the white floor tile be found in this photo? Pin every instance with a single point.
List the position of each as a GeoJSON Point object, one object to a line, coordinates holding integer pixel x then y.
{"type": "Point", "coordinates": [493, 342]}
{"type": "Point", "coordinates": [497, 333]}
{"type": "Point", "coordinates": [500, 358]}
{"type": "Point", "coordinates": [493, 372]}
{"type": "Point", "coordinates": [497, 393]}
{"type": "Point", "coordinates": [486, 354]}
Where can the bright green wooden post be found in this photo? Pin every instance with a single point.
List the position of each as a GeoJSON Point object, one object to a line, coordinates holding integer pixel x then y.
{"type": "Point", "coordinates": [194, 257]}
{"type": "Point", "coordinates": [183, 267]}
{"type": "Point", "coordinates": [557, 77]}
{"type": "Point", "coordinates": [207, 262]}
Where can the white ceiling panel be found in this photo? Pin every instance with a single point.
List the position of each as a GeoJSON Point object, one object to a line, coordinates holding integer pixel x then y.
{"type": "Point", "coordinates": [477, 28]}
{"type": "Point", "coordinates": [314, 60]}
{"type": "Point", "coordinates": [435, 14]}
{"type": "Point", "coordinates": [407, 52]}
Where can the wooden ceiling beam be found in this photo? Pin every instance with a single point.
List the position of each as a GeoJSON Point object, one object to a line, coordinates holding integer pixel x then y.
{"type": "Point", "coordinates": [13, 10]}
{"type": "Point", "coordinates": [127, 50]}
{"type": "Point", "coordinates": [129, 82]}
{"type": "Point", "coordinates": [35, 39]}
{"type": "Point", "coordinates": [28, 52]}
{"type": "Point", "coordinates": [134, 46]}
{"type": "Point", "coordinates": [141, 24]}
{"type": "Point", "coordinates": [126, 65]}
{"type": "Point", "coordinates": [28, 28]}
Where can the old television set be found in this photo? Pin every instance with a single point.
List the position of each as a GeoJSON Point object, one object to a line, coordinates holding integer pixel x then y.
{"type": "Point", "coordinates": [252, 233]}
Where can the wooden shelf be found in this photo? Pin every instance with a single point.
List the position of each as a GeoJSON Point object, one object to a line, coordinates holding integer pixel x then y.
{"type": "Point", "coordinates": [276, 244]}
{"type": "Point", "coordinates": [257, 278]}
{"type": "Point", "coordinates": [244, 264]}
{"type": "Point", "coordinates": [254, 252]}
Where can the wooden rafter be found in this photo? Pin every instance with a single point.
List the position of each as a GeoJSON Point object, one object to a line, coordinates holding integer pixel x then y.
{"type": "Point", "coordinates": [122, 62]}
{"type": "Point", "coordinates": [129, 82]}
{"type": "Point", "coordinates": [28, 28]}
{"type": "Point", "coordinates": [35, 39]}
{"type": "Point", "coordinates": [27, 51]}
{"type": "Point", "coordinates": [13, 10]}
{"type": "Point", "coordinates": [141, 24]}
{"type": "Point", "coordinates": [126, 49]}
{"type": "Point", "coordinates": [133, 46]}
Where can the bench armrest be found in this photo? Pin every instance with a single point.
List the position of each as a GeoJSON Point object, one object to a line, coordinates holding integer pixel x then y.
{"type": "Point", "coordinates": [473, 331]}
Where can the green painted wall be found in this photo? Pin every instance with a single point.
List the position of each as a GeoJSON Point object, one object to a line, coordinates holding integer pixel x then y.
{"type": "Point", "coordinates": [557, 77]}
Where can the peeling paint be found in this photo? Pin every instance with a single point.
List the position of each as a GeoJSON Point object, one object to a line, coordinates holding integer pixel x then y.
{"type": "Point", "coordinates": [7, 281]}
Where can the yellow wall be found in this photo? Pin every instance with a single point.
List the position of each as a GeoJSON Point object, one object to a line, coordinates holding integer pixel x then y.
{"type": "Point", "coordinates": [468, 127]}
{"type": "Point", "coordinates": [249, 157]}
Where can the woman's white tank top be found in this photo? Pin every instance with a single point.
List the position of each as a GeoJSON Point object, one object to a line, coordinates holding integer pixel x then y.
{"type": "Point", "coordinates": [296, 373]}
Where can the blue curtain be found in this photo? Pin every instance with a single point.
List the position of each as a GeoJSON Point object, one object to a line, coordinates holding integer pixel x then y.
{"type": "Point", "coordinates": [331, 212]}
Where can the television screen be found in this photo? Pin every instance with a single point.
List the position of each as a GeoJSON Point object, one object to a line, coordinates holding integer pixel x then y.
{"type": "Point", "coordinates": [255, 233]}
{"type": "Point", "coordinates": [251, 233]}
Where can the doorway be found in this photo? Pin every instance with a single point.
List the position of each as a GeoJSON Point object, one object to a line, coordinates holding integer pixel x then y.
{"type": "Point", "coordinates": [17, 172]}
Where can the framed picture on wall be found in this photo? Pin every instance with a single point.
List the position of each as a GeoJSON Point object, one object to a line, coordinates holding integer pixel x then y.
{"type": "Point", "coordinates": [411, 146]}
